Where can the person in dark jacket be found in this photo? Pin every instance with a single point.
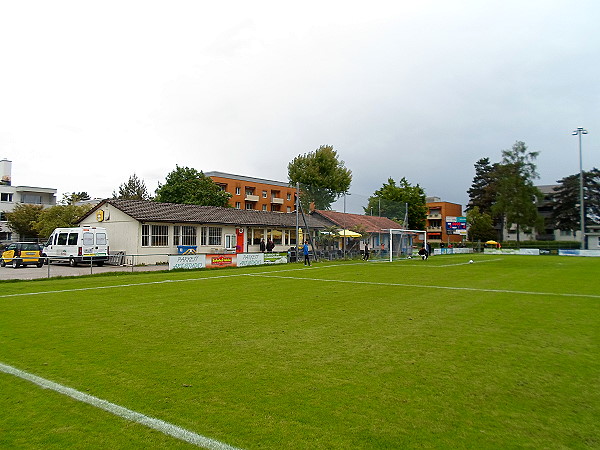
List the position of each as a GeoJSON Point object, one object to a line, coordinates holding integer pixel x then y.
{"type": "Point", "coordinates": [270, 246]}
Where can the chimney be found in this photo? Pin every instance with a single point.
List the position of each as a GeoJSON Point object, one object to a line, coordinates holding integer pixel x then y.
{"type": "Point", "coordinates": [5, 171]}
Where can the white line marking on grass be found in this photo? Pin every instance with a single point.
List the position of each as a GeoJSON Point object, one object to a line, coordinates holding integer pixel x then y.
{"type": "Point", "coordinates": [150, 422]}
{"type": "Point", "coordinates": [426, 286]}
{"type": "Point", "coordinates": [93, 288]}
{"type": "Point", "coordinates": [148, 283]}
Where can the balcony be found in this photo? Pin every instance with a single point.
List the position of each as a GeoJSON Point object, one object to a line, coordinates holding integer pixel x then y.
{"type": "Point", "coordinates": [435, 228]}
{"type": "Point", "coordinates": [276, 201]}
{"type": "Point", "coordinates": [251, 198]}
{"type": "Point", "coordinates": [434, 216]}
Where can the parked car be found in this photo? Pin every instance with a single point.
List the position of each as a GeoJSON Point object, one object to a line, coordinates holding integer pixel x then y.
{"type": "Point", "coordinates": [22, 254]}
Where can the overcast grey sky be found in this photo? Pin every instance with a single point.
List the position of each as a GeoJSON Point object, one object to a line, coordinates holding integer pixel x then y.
{"type": "Point", "coordinates": [92, 92]}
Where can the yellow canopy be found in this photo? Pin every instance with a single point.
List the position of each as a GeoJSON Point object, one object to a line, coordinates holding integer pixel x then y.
{"type": "Point", "coordinates": [492, 242]}
{"type": "Point", "coordinates": [348, 233]}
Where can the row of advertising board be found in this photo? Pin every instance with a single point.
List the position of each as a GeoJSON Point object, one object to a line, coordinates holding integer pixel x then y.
{"type": "Point", "coordinates": [537, 251]}
{"type": "Point", "coordinates": [217, 261]}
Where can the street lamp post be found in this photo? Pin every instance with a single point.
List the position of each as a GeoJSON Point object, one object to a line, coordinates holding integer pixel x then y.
{"type": "Point", "coordinates": [578, 132]}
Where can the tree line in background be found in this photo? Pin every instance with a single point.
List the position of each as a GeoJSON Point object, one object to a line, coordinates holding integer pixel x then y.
{"type": "Point", "coordinates": [501, 195]}
{"type": "Point", "coordinates": [35, 221]}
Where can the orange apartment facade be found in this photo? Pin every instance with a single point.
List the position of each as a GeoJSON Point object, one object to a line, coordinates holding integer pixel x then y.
{"type": "Point", "coordinates": [255, 193]}
{"type": "Point", "coordinates": [437, 214]}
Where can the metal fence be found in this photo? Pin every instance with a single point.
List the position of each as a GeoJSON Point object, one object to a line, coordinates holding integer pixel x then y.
{"type": "Point", "coordinates": [118, 262]}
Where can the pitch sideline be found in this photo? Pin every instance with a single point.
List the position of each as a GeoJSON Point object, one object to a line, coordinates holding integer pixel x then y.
{"type": "Point", "coordinates": [133, 416]}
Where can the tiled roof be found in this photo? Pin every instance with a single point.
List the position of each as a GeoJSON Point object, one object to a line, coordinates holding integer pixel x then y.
{"type": "Point", "coordinates": [232, 176]}
{"type": "Point", "coordinates": [372, 224]}
{"type": "Point", "coordinates": [148, 211]}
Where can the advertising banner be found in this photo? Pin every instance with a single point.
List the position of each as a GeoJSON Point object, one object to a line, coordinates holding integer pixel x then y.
{"type": "Point", "coordinates": [250, 259]}
{"type": "Point", "coordinates": [579, 253]}
{"type": "Point", "coordinates": [186, 262]}
{"type": "Point", "coordinates": [451, 251]}
{"type": "Point", "coordinates": [221, 260]}
{"type": "Point", "coordinates": [275, 258]}
{"type": "Point", "coordinates": [512, 251]}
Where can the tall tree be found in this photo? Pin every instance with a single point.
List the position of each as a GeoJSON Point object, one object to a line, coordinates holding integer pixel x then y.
{"type": "Point", "coordinates": [188, 186]}
{"type": "Point", "coordinates": [74, 197]}
{"type": "Point", "coordinates": [133, 189]}
{"type": "Point", "coordinates": [516, 196]}
{"type": "Point", "coordinates": [322, 176]}
{"type": "Point", "coordinates": [482, 193]}
{"type": "Point", "coordinates": [566, 200]}
{"type": "Point", "coordinates": [59, 216]}
{"type": "Point", "coordinates": [23, 218]}
{"type": "Point", "coordinates": [404, 203]}
{"type": "Point", "coordinates": [481, 227]}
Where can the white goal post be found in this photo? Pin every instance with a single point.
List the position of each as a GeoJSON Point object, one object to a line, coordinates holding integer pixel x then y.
{"type": "Point", "coordinates": [401, 241]}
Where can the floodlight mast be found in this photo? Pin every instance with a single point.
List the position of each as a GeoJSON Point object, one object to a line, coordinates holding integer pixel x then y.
{"type": "Point", "coordinates": [578, 132]}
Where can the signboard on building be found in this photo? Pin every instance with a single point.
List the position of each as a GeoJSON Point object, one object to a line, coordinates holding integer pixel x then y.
{"type": "Point", "coordinates": [456, 225]}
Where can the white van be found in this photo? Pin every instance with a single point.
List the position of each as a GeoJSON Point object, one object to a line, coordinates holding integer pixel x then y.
{"type": "Point", "coordinates": [77, 245]}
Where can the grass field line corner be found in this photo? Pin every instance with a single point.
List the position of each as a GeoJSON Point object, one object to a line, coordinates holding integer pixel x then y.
{"type": "Point", "coordinates": [133, 416]}
{"type": "Point", "coordinates": [429, 286]}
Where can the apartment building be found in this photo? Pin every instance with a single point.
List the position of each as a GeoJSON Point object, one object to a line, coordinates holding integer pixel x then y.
{"type": "Point", "coordinates": [255, 193]}
{"type": "Point", "coordinates": [550, 232]}
{"type": "Point", "coordinates": [11, 196]}
{"type": "Point", "coordinates": [439, 215]}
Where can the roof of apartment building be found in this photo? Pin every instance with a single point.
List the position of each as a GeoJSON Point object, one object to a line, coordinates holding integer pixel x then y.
{"type": "Point", "coordinates": [245, 178]}
{"type": "Point", "coordinates": [149, 211]}
{"type": "Point", "coordinates": [372, 224]}
{"type": "Point", "coordinates": [548, 188]}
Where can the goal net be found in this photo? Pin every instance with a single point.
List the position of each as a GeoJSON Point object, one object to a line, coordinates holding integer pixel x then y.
{"type": "Point", "coordinates": [394, 244]}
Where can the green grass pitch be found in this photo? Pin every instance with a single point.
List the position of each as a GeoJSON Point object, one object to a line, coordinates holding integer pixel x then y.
{"type": "Point", "coordinates": [502, 353]}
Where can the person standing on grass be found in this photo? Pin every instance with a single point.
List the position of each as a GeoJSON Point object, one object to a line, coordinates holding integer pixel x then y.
{"type": "Point", "coordinates": [306, 256]}
{"type": "Point", "coordinates": [263, 246]}
{"type": "Point", "coordinates": [366, 257]}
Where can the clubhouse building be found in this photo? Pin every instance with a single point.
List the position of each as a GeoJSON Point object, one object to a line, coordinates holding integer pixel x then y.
{"type": "Point", "coordinates": [154, 230]}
